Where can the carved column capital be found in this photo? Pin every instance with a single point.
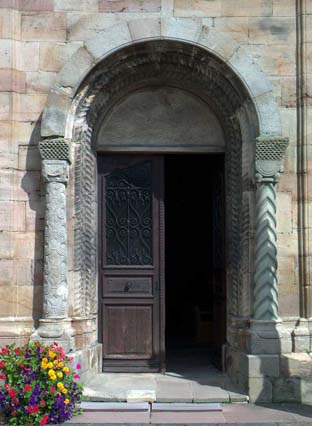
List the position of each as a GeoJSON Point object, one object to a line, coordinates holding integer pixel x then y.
{"type": "Point", "coordinates": [55, 171]}
{"type": "Point", "coordinates": [55, 149]}
{"type": "Point", "coordinates": [270, 152]}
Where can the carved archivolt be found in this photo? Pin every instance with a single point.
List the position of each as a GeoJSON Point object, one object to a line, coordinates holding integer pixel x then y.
{"type": "Point", "coordinates": [163, 64]}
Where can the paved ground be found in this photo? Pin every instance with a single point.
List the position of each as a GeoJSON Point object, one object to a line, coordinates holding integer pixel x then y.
{"type": "Point", "coordinates": [187, 380]}
{"type": "Point", "coordinates": [232, 414]}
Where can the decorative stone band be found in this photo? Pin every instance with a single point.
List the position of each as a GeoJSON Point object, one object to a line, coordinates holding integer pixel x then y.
{"type": "Point", "coordinates": [269, 156]}
{"type": "Point", "coordinates": [55, 171]}
{"type": "Point", "coordinates": [55, 149]}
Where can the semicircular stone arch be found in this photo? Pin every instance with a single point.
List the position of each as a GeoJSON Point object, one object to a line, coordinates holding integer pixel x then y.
{"type": "Point", "coordinates": [57, 115]}
{"type": "Point", "coordinates": [178, 65]}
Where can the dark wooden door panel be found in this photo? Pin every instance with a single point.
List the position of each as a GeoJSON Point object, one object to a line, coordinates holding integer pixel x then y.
{"type": "Point", "coordinates": [130, 266]}
{"type": "Point", "coordinates": [132, 337]}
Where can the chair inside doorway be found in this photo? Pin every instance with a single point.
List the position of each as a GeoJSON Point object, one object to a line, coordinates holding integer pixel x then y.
{"type": "Point", "coordinates": [195, 261]}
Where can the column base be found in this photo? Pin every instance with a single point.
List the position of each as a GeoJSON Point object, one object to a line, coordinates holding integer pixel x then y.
{"type": "Point", "coordinates": [268, 337]}
{"type": "Point", "coordinates": [55, 330]}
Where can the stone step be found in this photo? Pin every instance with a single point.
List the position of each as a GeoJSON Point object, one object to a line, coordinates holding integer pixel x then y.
{"type": "Point", "coordinates": [88, 406]}
{"type": "Point", "coordinates": [185, 407]}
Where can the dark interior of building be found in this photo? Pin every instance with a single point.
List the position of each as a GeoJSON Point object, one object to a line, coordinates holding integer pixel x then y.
{"type": "Point", "coordinates": [195, 289]}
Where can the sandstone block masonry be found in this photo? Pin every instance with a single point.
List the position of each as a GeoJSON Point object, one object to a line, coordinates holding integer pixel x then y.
{"type": "Point", "coordinates": [40, 37]}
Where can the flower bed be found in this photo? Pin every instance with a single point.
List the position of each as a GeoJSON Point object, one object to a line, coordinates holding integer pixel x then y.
{"type": "Point", "coordinates": [39, 386]}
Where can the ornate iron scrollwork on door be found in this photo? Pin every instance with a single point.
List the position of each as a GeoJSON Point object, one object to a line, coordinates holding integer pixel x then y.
{"type": "Point", "coordinates": [129, 210]}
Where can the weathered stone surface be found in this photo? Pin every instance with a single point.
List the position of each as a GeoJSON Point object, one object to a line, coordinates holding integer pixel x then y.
{"type": "Point", "coordinates": [260, 365]}
{"type": "Point", "coordinates": [19, 186]}
{"type": "Point", "coordinates": [272, 30]}
{"type": "Point", "coordinates": [284, 212]}
{"type": "Point", "coordinates": [296, 364]}
{"type": "Point", "coordinates": [287, 390]}
{"type": "Point", "coordinates": [236, 27]}
{"type": "Point", "coordinates": [26, 295]}
{"type": "Point", "coordinates": [27, 55]}
{"type": "Point", "coordinates": [129, 6]}
{"type": "Point", "coordinates": [144, 28]}
{"type": "Point", "coordinates": [29, 158]}
{"type": "Point", "coordinates": [181, 28]}
{"type": "Point", "coordinates": [16, 272]}
{"type": "Point", "coordinates": [35, 213]}
{"type": "Point", "coordinates": [53, 56]}
{"type": "Point", "coordinates": [6, 245]}
{"type": "Point", "coordinates": [8, 306]}
{"type": "Point", "coordinates": [270, 122]}
{"type": "Point", "coordinates": [168, 391]}
{"type": "Point", "coordinates": [75, 69]}
{"type": "Point", "coordinates": [222, 44]}
{"type": "Point", "coordinates": [82, 5]}
{"type": "Point", "coordinates": [44, 26]}
{"type": "Point", "coordinates": [5, 106]}
{"type": "Point", "coordinates": [36, 5]}
{"type": "Point", "coordinates": [246, 8]}
{"type": "Point", "coordinates": [256, 81]}
{"type": "Point", "coordinates": [27, 107]}
{"type": "Point", "coordinates": [187, 8]}
{"type": "Point", "coordinates": [284, 8]}
{"type": "Point", "coordinates": [55, 114]}
{"type": "Point", "coordinates": [108, 39]}
{"type": "Point", "coordinates": [12, 81]}
{"type": "Point", "coordinates": [10, 24]}
{"type": "Point", "coordinates": [40, 82]}
{"type": "Point", "coordinates": [6, 53]}
{"type": "Point", "coordinates": [12, 215]}
{"type": "Point", "coordinates": [260, 390]}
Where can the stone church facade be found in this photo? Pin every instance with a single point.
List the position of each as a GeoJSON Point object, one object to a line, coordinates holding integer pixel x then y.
{"type": "Point", "coordinates": [91, 78]}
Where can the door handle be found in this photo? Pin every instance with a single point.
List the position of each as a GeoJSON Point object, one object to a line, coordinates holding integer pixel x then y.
{"type": "Point", "coordinates": [128, 286]}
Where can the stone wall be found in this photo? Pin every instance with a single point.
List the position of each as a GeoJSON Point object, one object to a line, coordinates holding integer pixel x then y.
{"type": "Point", "coordinates": [37, 37]}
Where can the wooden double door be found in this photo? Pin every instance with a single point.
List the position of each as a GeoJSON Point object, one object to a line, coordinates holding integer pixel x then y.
{"type": "Point", "coordinates": [132, 261]}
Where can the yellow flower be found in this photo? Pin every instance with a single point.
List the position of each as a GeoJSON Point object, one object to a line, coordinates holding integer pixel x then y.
{"type": "Point", "coordinates": [66, 401]}
{"type": "Point", "coordinates": [50, 365]}
{"type": "Point", "coordinates": [44, 360]}
{"type": "Point", "coordinates": [59, 374]}
{"type": "Point", "coordinates": [52, 354]}
{"type": "Point", "coordinates": [60, 364]}
{"type": "Point", "coordinates": [44, 366]}
{"type": "Point", "coordinates": [51, 372]}
{"type": "Point", "coordinates": [52, 378]}
{"type": "Point", "coordinates": [66, 370]}
{"type": "Point", "coordinates": [64, 391]}
{"type": "Point", "coordinates": [55, 362]}
{"type": "Point", "coordinates": [60, 385]}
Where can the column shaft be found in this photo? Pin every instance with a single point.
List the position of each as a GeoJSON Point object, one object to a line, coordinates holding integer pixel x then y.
{"type": "Point", "coordinates": [265, 279]}
{"type": "Point", "coordinates": [55, 293]}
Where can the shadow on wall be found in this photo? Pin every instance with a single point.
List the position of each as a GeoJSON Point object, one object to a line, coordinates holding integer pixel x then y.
{"type": "Point", "coordinates": [33, 185]}
{"type": "Point", "coordinates": [287, 376]}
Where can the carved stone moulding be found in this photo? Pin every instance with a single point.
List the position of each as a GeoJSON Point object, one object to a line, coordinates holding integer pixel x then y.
{"type": "Point", "coordinates": [55, 149]}
{"type": "Point", "coordinates": [270, 152]}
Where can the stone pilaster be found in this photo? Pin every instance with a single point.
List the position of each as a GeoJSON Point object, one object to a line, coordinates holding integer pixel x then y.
{"type": "Point", "coordinates": [266, 334]}
{"type": "Point", "coordinates": [54, 324]}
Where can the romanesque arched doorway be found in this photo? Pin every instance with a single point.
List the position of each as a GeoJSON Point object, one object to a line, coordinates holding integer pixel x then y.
{"type": "Point", "coordinates": [238, 108]}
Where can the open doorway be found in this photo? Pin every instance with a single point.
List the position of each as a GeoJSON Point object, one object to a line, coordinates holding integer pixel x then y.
{"type": "Point", "coordinates": [195, 260]}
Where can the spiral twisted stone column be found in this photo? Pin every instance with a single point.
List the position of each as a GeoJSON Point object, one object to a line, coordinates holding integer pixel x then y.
{"type": "Point", "coordinates": [269, 155]}
{"type": "Point", "coordinates": [265, 279]}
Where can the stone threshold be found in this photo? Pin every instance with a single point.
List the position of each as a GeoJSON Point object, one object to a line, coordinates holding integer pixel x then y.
{"type": "Point", "coordinates": [89, 406]}
{"type": "Point", "coordinates": [159, 388]}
